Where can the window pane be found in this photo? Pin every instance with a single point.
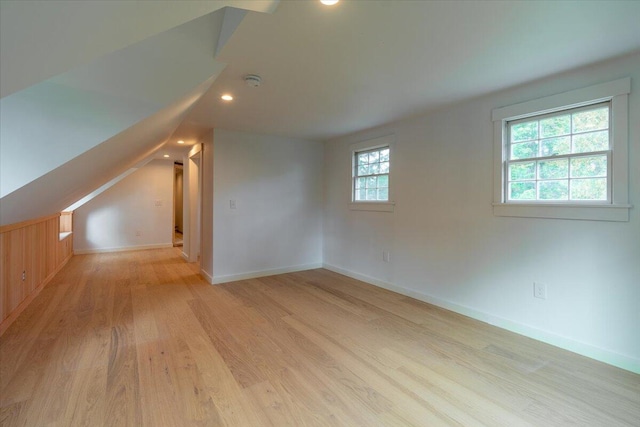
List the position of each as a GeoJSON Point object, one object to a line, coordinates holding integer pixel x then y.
{"type": "Point", "coordinates": [522, 190]}
{"type": "Point", "coordinates": [384, 155]}
{"type": "Point", "coordinates": [553, 190]}
{"type": "Point", "coordinates": [524, 150]}
{"type": "Point", "coordinates": [555, 126]}
{"type": "Point", "coordinates": [555, 146]}
{"type": "Point", "coordinates": [372, 175]}
{"type": "Point", "coordinates": [591, 141]}
{"type": "Point", "coordinates": [520, 171]}
{"type": "Point", "coordinates": [589, 166]}
{"type": "Point", "coordinates": [553, 169]}
{"type": "Point", "coordinates": [591, 120]}
{"type": "Point", "coordinates": [589, 189]}
{"type": "Point", "coordinates": [524, 131]}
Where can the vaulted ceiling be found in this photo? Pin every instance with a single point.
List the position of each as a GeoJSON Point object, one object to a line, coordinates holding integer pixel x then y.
{"type": "Point", "coordinates": [91, 89]}
{"type": "Point", "coordinates": [111, 85]}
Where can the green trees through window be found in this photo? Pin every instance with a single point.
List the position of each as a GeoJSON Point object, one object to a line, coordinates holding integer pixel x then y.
{"type": "Point", "coordinates": [560, 157]}
{"type": "Point", "coordinates": [371, 175]}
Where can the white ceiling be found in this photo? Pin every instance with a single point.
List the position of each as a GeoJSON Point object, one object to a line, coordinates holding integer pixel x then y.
{"type": "Point", "coordinates": [63, 137]}
{"type": "Point", "coordinates": [329, 71]}
{"type": "Point", "coordinates": [91, 89]}
{"type": "Point", "coordinates": [41, 39]}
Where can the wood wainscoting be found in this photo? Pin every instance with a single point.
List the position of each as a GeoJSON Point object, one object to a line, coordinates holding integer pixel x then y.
{"type": "Point", "coordinates": [31, 253]}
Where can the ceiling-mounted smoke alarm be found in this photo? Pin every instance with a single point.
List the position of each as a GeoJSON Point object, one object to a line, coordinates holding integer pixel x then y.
{"type": "Point", "coordinates": [252, 80]}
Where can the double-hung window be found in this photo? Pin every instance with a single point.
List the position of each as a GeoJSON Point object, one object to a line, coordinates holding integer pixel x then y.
{"type": "Point", "coordinates": [371, 175]}
{"type": "Point", "coordinates": [560, 157]}
{"type": "Point", "coordinates": [371, 163]}
{"type": "Point", "coordinates": [564, 156]}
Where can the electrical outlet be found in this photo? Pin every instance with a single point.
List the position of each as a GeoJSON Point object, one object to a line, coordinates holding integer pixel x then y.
{"type": "Point", "coordinates": [232, 204]}
{"type": "Point", "coordinates": [24, 276]}
{"type": "Point", "coordinates": [539, 290]}
{"type": "Point", "coordinates": [138, 233]}
{"type": "Point", "coordinates": [158, 202]}
{"type": "Point", "coordinates": [386, 256]}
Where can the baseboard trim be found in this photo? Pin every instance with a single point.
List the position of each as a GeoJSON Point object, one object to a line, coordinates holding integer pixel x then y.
{"type": "Point", "coordinates": [606, 356]}
{"type": "Point", "coordinates": [208, 277]}
{"type": "Point", "coordinates": [185, 256]}
{"type": "Point", "coordinates": [122, 249]}
{"type": "Point", "coordinates": [264, 273]}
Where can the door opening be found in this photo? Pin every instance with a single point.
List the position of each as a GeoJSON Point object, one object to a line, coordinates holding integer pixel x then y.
{"type": "Point", "coordinates": [193, 175]}
{"type": "Point", "coordinates": [178, 197]}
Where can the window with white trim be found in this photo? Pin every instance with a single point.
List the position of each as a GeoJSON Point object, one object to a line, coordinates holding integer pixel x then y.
{"type": "Point", "coordinates": [371, 175]}
{"type": "Point", "coordinates": [371, 170]}
{"type": "Point", "coordinates": [560, 157]}
{"type": "Point", "coordinates": [564, 156]}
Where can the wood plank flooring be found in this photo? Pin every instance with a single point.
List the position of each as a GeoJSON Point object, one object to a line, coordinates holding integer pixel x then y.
{"type": "Point", "coordinates": [139, 339]}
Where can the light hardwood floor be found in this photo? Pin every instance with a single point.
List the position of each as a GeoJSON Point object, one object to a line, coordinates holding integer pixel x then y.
{"type": "Point", "coordinates": [138, 339]}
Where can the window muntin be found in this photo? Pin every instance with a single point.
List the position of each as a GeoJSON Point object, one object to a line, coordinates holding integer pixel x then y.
{"type": "Point", "coordinates": [560, 157]}
{"type": "Point", "coordinates": [371, 175]}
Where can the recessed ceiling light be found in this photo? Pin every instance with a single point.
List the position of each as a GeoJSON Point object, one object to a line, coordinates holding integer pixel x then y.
{"type": "Point", "coordinates": [181, 142]}
{"type": "Point", "coordinates": [329, 2]}
{"type": "Point", "coordinates": [227, 97]}
{"type": "Point", "coordinates": [166, 155]}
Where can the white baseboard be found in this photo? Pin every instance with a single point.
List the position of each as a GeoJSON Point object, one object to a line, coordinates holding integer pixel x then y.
{"type": "Point", "coordinates": [185, 256]}
{"type": "Point", "coordinates": [263, 273]}
{"type": "Point", "coordinates": [122, 249]}
{"type": "Point", "coordinates": [612, 358]}
{"type": "Point", "coordinates": [208, 277]}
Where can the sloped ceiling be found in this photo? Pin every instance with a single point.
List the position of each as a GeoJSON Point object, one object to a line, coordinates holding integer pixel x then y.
{"type": "Point", "coordinates": [66, 184]}
{"type": "Point", "coordinates": [330, 71]}
{"type": "Point", "coordinates": [84, 107]}
{"type": "Point", "coordinates": [62, 138]}
{"type": "Point", "coordinates": [89, 89]}
{"type": "Point", "coordinates": [41, 39]}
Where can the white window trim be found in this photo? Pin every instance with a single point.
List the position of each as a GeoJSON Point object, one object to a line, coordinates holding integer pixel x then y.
{"type": "Point", "coordinates": [617, 92]}
{"type": "Point", "coordinates": [370, 144]}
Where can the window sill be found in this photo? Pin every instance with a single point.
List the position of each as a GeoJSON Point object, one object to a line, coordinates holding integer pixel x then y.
{"type": "Point", "coordinates": [593, 212]}
{"type": "Point", "coordinates": [372, 206]}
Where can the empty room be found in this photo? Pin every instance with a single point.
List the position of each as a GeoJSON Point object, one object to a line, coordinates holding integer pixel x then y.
{"type": "Point", "coordinates": [319, 213]}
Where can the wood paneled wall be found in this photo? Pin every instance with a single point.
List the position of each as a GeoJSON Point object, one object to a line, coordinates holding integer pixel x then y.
{"type": "Point", "coordinates": [31, 253]}
{"type": "Point", "coordinates": [66, 222]}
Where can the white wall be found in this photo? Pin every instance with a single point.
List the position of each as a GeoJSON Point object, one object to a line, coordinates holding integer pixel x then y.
{"type": "Point", "coordinates": [276, 184]}
{"type": "Point", "coordinates": [192, 211]}
{"type": "Point", "coordinates": [448, 248]}
{"type": "Point", "coordinates": [207, 165]}
{"type": "Point", "coordinates": [110, 221]}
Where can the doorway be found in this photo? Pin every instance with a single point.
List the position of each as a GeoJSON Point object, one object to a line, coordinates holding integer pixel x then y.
{"type": "Point", "coordinates": [178, 198]}
{"type": "Point", "coordinates": [193, 176]}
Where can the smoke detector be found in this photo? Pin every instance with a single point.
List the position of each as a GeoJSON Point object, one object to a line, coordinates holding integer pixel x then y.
{"type": "Point", "coordinates": [252, 80]}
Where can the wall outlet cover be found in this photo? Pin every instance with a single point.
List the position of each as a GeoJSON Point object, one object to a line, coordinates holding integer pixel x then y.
{"type": "Point", "coordinates": [539, 290]}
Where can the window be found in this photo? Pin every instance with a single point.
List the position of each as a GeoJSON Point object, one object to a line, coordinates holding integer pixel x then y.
{"type": "Point", "coordinates": [564, 156]}
{"type": "Point", "coordinates": [560, 157]}
{"type": "Point", "coordinates": [371, 174]}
